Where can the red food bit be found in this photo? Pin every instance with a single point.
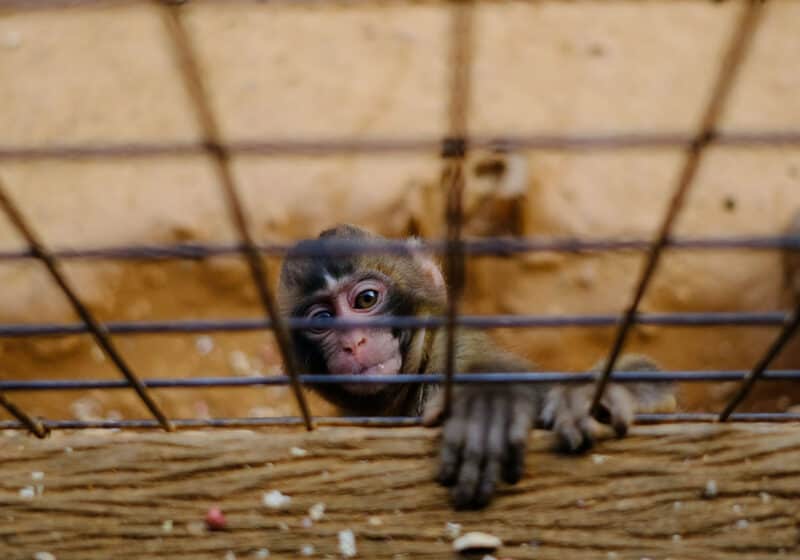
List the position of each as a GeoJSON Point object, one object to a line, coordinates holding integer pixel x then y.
{"type": "Point", "coordinates": [215, 519]}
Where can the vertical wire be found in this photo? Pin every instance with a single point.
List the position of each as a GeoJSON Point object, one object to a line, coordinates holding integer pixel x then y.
{"type": "Point", "coordinates": [101, 337]}
{"type": "Point", "coordinates": [739, 44]}
{"type": "Point", "coordinates": [221, 157]}
{"type": "Point", "coordinates": [454, 149]}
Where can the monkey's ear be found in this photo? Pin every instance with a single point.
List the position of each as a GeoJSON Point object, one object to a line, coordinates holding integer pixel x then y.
{"type": "Point", "coordinates": [430, 268]}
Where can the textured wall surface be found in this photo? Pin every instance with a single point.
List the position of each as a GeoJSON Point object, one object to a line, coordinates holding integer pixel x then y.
{"type": "Point", "coordinates": [364, 70]}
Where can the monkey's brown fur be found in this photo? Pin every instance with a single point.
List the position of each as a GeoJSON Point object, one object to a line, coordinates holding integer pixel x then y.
{"type": "Point", "coordinates": [484, 436]}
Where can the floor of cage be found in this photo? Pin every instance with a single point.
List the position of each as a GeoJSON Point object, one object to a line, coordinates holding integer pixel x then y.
{"type": "Point", "coordinates": [682, 491]}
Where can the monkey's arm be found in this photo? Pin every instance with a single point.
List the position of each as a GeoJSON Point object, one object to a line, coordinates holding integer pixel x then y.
{"type": "Point", "coordinates": [485, 433]}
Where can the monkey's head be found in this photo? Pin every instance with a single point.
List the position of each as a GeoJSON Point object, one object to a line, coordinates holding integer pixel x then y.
{"type": "Point", "coordinates": [358, 287]}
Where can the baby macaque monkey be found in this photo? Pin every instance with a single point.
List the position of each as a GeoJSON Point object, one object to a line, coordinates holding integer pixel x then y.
{"type": "Point", "coordinates": [485, 433]}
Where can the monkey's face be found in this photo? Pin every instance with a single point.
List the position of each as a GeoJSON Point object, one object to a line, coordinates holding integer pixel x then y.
{"type": "Point", "coordinates": [358, 351]}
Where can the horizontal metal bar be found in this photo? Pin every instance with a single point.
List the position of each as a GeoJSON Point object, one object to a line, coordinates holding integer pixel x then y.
{"type": "Point", "coordinates": [363, 421]}
{"type": "Point", "coordinates": [713, 417]}
{"type": "Point", "coordinates": [751, 319]}
{"type": "Point", "coordinates": [406, 379]}
{"type": "Point", "coordinates": [622, 140]}
{"type": "Point", "coordinates": [223, 422]}
{"type": "Point", "coordinates": [497, 246]}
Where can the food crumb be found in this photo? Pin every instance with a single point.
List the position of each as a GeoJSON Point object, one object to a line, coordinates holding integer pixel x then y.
{"type": "Point", "coordinates": [306, 523]}
{"type": "Point", "coordinates": [262, 553]}
{"type": "Point", "coordinates": [452, 530]}
{"type": "Point", "coordinates": [230, 555]}
{"type": "Point", "coordinates": [742, 524]}
{"type": "Point", "coordinates": [43, 556]}
{"type": "Point", "coordinates": [765, 498]}
{"type": "Point", "coordinates": [347, 543]}
{"type": "Point", "coordinates": [711, 490]}
{"type": "Point", "coordinates": [215, 519]}
{"type": "Point", "coordinates": [476, 541]}
{"type": "Point", "coordinates": [298, 452]}
{"type": "Point", "coordinates": [275, 499]}
{"type": "Point", "coordinates": [27, 492]}
{"type": "Point", "coordinates": [307, 550]}
{"type": "Point", "coordinates": [37, 475]}
{"type": "Point", "coordinates": [167, 525]}
{"type": "Point", "coordinates": [375, 521]}
{"type": "Point", "coordinates": [598, 459]}
{"type": "Point", "coordinates": [317, 511]}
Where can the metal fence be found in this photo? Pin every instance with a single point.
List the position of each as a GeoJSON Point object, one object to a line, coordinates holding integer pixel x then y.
{"type": "Point", "coordinates": [454, 148]}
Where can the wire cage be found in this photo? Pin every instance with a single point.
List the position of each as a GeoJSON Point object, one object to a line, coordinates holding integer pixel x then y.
{"type": "Point", "coordinates": [454, 248]}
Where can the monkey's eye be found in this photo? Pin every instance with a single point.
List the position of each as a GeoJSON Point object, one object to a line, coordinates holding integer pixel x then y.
{"type": "Point", "coordinates": [322, 314]}
{"type": "Point", "coordinates": [366, 299]}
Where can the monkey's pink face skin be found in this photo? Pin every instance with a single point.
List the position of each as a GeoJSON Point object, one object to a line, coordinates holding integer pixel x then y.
{"type": "Point", "coordinates": [357, 351]}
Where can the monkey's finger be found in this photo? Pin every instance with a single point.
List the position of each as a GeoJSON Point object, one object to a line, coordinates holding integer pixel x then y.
{"type": "Point", "coordinates": [621, 408]}
{"type": "Point", "coordinates": [496, 446]}
{"type": "Point", "coordinates": [553, 402]}
{"type": "Point", "coordinates": [433, 415]}
{"type": "Point", "coordinates": [453, 441]}
{"type": "Point", "coordinates": [519, 425]}
{"type": "Point", "coordinates": [570, 435]}
{"type": "Point", "coordinates": [472, 457]}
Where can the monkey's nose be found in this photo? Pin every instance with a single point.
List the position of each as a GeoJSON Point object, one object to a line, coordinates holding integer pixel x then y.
{"type": "Point", "coordinates": [350, 344]}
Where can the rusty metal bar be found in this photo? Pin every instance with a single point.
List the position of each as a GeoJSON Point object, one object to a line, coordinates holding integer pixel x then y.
{"type": "Point", "coordinates": [34, 425]}
{"type": "Point", "coordinates": [589, 142]}
{"type": "Point", "coordinates": [97, 330]}
{"type": "Point", "coordinates": [740, 42]}
{"type": "Point", "coordinates": [195, 326]}
{"type": "Point", "coordinates": [221, 158]}
{"type": "Point", "coordinates": [758, 371]}
{"type": "Point", "coordinates": [455, 149]}
{"type": "Point", "coordinates": [485, 246]}
{"type": "Point", "coordinates": [528, 377]}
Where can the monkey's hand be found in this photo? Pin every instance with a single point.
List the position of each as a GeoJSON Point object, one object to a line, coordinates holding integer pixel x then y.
{"type": "Point", "coordinates": [566, 410]}
{"type": "Point", "coordinates": [483, 438]}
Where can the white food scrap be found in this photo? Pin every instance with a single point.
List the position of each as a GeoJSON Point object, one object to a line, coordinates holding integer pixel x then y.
{"type": "Point", "coordinates": [711, 490]}
{"type": "Point", "coordinates": [347, 543]}
{"type": "Point", "coordinates": [317, 511]}
{"type": "Point", "coordinates": [275, 499]}
{"type": "Point", "coordinates": [27, 492]}
{"type": "Point", "coordinates": [476, 541]}
{"type": "Point", "coordinates": [298, 452]}
{"type": "Point", "coordinates": [452, 530]}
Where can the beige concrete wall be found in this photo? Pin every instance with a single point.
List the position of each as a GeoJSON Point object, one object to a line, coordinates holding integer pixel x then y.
{"type": "Point", "coordinates": [380, 70]}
